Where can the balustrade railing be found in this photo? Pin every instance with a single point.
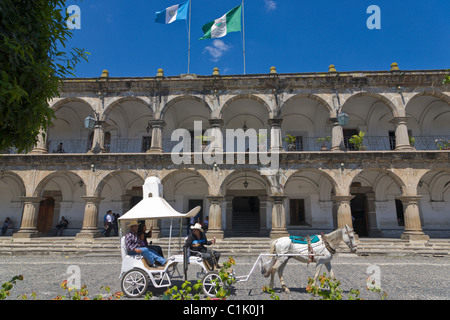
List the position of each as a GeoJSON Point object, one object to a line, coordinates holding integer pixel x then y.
{"type": "Point", "coordinates": [371, 143]}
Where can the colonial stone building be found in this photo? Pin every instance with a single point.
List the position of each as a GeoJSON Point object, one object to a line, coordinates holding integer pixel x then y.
{"type": "Point", "coordinates": [395, 184]}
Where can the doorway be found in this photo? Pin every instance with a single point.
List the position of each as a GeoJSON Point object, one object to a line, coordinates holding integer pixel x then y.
{"type": "Point", "coordinates": [245, 216]}
{"type": "Point", "coordinates": [358, 206]}
{"type": "Point", "coordinates": [194, 203]}
{"type": "Point", "coordinates": [45, 215]}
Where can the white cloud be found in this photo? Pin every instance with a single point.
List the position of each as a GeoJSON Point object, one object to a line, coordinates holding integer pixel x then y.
{"type": "Point", "coordinates": [270, 5]}
{"type": "Point", "coordinates": [217, 49]}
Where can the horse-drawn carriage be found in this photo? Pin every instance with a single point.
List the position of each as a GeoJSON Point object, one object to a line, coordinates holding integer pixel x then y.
{"type": "Point", "coordinates": [137, 275]}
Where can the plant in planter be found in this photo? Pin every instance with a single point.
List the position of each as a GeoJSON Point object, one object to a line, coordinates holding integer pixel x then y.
{"type": "Point", "coordinates": [204, 140]}
{"type": "Point", "coordinates": [357, 141]}
{"type": "Point", "coordinates": [291, 142]}
{"type": "Point", "coordinates": [323, 140]}
{"type": "Point", "coordinates": [412, 142]}
{"type": "Point", "coordinates": [442, 144]}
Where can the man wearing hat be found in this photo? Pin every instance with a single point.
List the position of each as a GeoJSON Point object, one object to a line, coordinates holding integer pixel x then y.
{"type": "Point", "coordinates": [196, 242]}
{"type": "Point", "coordinates": [133, 248]}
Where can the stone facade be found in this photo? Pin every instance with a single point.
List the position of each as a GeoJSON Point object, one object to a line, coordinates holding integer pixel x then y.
{"type": "Point", "coordinates": [390, 188]}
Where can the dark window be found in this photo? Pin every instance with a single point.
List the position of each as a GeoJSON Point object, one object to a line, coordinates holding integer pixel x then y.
{"type": "Point", "coordinates": [146, 143]}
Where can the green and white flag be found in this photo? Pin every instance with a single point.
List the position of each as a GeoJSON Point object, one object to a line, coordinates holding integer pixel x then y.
{"type": "Point", "coordinates": [229, 22]}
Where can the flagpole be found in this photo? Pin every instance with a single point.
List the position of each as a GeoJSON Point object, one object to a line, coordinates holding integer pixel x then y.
{"type": "Point", "coordinates": [243, 32]}
{"type": "Point", "coordinates": [189, 37]}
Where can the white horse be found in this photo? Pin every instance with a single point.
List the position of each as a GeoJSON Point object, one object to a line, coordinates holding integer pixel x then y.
{"type": "Point", "coordinates": [321, 252]}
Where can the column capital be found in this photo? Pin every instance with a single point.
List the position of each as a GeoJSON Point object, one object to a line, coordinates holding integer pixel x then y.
{"type": "Point", "coordinates": [31, 199]}
{"type": "Point", "coordinates": [277, 199]}
{"type": "Point", "coordinates": [157, 123]}
{"type": "Point", "coordinates": [274, 122]}
{"type": "Point", "coordinates": [216, 123]}
{"type": "Point", "coordinates": [93, 199]}
{"type": "Point", "coordinates": [399, 120]}
{"type": "Point", "coordinates": [342, 198]}
{"type": "Point", "coordinates": [215, 199]}
{"type": "Point", "coordinates": [410, 199]}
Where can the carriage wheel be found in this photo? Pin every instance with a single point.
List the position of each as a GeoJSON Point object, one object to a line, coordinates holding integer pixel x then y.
{"type": "Point", "coordinates": [211, 284]}
{"type": "Point", "coordinates": [134, 283]}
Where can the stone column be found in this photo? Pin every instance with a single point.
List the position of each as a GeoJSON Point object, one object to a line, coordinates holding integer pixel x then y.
{"type": "Point", "coordinates": [275, 135]}
{"type": "Point", "coordinates": [413, 227]}
{"type": "Point", "coordinates": [28, 227]}
{"type": "Point", "coordinates": [337, 136]}
{"type": "Point", "coordinates": [278, 217]}
{"type": "Point", "coordinates": [216, 133]}
{"type": "Point", "coordinates": [401, 133]}
{"type": "Point", "coordinates": [41, 144]}
{"type": "Point", "coordinates": [98, 141]}
{"type": "Point", "coordinates": [344, 212]}
{"type": "Point", "coordinates": [215, 217]}
{"type": "Point", "coordinates": [89, 230]}
{"type": "Point", "coordinates": [157, 142]}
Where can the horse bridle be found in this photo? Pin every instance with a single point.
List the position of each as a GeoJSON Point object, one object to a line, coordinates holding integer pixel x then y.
{"type": "Point", "coordinates": [347, 232]}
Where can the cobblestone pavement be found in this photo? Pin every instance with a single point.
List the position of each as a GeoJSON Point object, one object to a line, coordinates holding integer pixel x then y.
{"type": "Point", "coordinates": [406, 278]}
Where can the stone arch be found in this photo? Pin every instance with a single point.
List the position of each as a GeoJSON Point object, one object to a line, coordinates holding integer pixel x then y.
{"type": "Point", "coordinates": [322, 173]}
{"type": "Point", "coordinates": [389, 104]}
{"type": "Point", "coordinates": [59, 103]}
{"type": "Point", "coordinates": [242, 174]}
{"type": "Point", "coordinates": [192, 176]}
{"type": "Point", "coordinates": [310, 96]}
{"type": "Point", "coordinates": [180, 98]}
{"type": "Point", "coordinates": [118, 100]}
{"type": "Point", "coordinates": [106, 178]}
{"type": "Point", "coordinates": [68, 181]}
{"type": "Point", "coordinates": [254, 97]}
{"type": "Point", "coordinates": [424, 108]}
{"type": "Point", "coordinates": [436, 182]}
{"type": "Point", "coordinates": [397, 179]}
{"type": "Point", "coordinates": [14, 182]}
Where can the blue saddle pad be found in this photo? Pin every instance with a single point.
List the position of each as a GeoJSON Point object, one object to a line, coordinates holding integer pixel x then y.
{"type": "Point", "coordinates": [302, 240]}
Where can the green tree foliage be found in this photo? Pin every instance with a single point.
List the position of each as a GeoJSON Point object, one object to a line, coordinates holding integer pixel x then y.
{"type": "Point", "coordinates": [33, 62]}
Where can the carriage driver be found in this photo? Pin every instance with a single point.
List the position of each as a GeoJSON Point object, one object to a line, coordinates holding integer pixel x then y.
{"type": "Point", "coordinates": [133, 248]}
{"type": "Point", "coordinates": [196, 242]}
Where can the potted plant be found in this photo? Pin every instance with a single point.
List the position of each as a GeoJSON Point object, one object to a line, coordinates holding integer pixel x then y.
{"type": "Point", "coordinates": [442, 144]}
{"type": "Point", "coordinates": [412, 142]}
{"type": "Point", "coordinates": [357, 141]}
{"type": "Point", "coordinates": [322, 140]}
{"type": "Point", "coordinates": [291, 142]}
{"type": "Point", "coordinates": [204, 140]}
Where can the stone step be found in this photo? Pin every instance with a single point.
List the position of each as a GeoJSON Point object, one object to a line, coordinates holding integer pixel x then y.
{"type": "Point", "coordinates": [229, 246]}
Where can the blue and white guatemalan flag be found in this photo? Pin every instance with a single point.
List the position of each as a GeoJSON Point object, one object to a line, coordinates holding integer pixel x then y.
{"type": "Point", "coordinates": [175, 12]}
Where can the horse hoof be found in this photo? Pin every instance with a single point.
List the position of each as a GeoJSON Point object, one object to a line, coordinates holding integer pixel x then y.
{"type": "Point", "coordinates": [286, 290]}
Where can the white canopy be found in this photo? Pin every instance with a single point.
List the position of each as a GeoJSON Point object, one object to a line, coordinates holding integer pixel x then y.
{"type": "Point", "coordinates": [154, 206]}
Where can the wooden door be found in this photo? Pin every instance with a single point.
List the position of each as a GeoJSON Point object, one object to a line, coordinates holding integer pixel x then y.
{"type": "Point", "coordinates": [45, 216]}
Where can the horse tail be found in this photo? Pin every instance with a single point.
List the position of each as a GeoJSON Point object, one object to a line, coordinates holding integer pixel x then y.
{"type": "Point", "coordinates": [267, 266]}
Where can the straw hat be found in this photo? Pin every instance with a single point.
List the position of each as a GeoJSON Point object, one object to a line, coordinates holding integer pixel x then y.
{"type": "Point", "coordinates": [132, 223]}
{"type": "Point", "coordinates": [197, 226]}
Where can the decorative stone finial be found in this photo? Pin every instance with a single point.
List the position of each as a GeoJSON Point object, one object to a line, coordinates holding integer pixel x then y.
{"type": "Point", "coordinates": [216, 72]}
{"type": "Point", "coordinates": [160, 73]}
{"type": "Point", "coordinates": [331, 68]}
{"type": "Point", "coordinates": [105, 74]}
{"type": "Point", "coordinates": [394, 66]}
{"type": "Point", "coordinates": [273, 70]}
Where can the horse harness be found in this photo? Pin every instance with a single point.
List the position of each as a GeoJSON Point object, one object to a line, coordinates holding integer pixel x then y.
{"type": "Point", "coordinates": [327, 245]}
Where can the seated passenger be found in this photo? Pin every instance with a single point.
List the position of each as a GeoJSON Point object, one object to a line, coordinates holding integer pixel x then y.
{"type": "Point", "coordinates": [133, 247]}
{"type": "Point", "coordinates": [144, 234]}
{"type": "Point", "coordinates": [196, 242]}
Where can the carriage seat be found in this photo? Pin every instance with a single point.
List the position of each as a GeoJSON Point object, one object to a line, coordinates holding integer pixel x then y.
{"type": "Point", "coordinates": [125, 255]}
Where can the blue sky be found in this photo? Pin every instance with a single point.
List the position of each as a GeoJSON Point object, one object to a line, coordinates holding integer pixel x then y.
{"type": "Point", "coordinates": [292, 35]}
